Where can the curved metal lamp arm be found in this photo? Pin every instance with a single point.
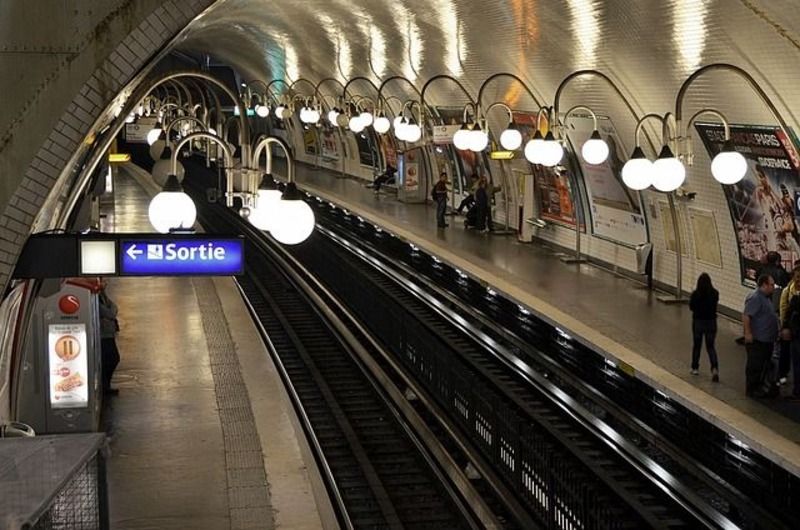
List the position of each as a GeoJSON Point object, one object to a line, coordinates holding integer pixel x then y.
{"type": "Point", "coordinates": [357, 78]}
{"type": "Point", "coordinates": [226, 149]}
{"type": "Point", "coordinates": [269, 85]}
{"type": "Point", "coordinates": [614, 87]}
{"type": "Point", "coordinates": [513, 76]}
{"type": "Point", "coordinates": [744, 75]}
{"type": "Point", "coordinates": [244, 129]}
{"type": "Point", "coordinates": [504, 107]}
{"type": "Point", "coordinates": [409, 104]}
{"type": "Point", "coordinates": [689, 155]}
{"type": "Point", "coordinates": [164, 106]}
{"type": "Point", "coordinates": [304, 80]}
{"type": "Point", "coordinates": [265, 142]}
{"type": "Point", "coordinates": [576, 108]}
{"type": "Point", "coordinates": [475, 116]}
{"type": "Point", "coordinates": [397, 77]}
{"type": "Point", "coordinates": [387, 99]}
{"type": "Point", "coordinates": [171, 124]}
{"type": "Point", "coordinates": [202, 135]}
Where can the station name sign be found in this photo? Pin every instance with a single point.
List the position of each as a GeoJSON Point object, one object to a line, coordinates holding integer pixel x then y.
{"type": "Point", "coordinates": [121, 254]}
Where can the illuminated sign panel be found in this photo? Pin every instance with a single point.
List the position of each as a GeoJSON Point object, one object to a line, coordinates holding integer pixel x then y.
{"type": "Point", "coordinates": [188, 257]}
{"type": "Point", "coordinates": [68, 366]}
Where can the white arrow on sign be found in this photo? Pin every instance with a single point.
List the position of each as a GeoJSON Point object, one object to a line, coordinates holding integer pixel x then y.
{"type": "Point", "coordinates": [132, 252]}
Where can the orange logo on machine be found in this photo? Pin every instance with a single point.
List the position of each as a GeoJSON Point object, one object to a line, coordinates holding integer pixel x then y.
{"type": "Point", "coordinates": [67, 348]}
{"type": "Point", "coordinates": [69, 304]}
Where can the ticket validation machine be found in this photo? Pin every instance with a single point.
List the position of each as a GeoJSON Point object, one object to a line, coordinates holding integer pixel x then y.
{"type": "Point", "coordinates": [60, 390]}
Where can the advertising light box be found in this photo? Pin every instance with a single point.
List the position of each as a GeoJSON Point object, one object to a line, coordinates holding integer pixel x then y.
{"type": "Point", "coordinates": [68, 365]}
{"type": "Point", "coordinates": [188, 257]}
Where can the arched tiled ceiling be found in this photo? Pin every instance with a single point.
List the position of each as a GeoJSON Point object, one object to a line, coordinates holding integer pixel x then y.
{"type": "Point", "coordinates": [648, 46]}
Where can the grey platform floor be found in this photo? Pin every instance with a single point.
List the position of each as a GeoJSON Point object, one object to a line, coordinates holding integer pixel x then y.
{"type": "Point", "coordinates": [614, 313]}
{"type": "Point", "coordinates": [190, 447]}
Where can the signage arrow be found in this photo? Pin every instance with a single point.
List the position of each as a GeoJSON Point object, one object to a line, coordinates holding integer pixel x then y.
{"type": "Point", "coordinates": [132, 252]}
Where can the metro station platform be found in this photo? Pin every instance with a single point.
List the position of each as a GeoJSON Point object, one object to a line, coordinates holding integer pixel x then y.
{"type": "Point", "coordinates": [615, 315]}
{"type": "Point", "coordinates": [202, 433]}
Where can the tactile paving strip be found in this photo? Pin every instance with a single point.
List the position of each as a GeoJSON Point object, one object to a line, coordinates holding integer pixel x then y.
{"type": "Point", "coordinates": [248, 491]}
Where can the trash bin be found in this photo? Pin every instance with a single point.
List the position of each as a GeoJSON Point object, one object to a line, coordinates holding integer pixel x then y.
{"type": "Point", "coordinates": [643, 251]}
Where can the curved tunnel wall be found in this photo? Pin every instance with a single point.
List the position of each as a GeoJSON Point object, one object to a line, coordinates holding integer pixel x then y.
{"type": "Point", "coordinates": [647, 47]}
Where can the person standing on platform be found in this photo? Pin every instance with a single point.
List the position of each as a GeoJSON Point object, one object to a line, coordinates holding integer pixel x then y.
{"type": "Point", "coordinates": [760, 332]}
{"type": "Point", "coordinates": [481, 205]}
{"type": "Point", "coordinates": [703, 304]}
{"type": "Point", "coordinates": [469, 200]}
{"type": "Point", "coordinates": [787, 295]}
{"type": "Point", "coordinates": [790, 324]}
{"type": "Point", "coordinates": [109, 325]}
{"type": "Point", "coordinates": [439, 195]}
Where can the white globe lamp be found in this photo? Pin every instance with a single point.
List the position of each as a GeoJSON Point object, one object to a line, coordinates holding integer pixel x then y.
{"type": "Point", "coordinates": [332, 115]}
{"type": "Point", "coordinates": [668, 172]}
{"type": "Point", "coordinates": [729, 166]}
{"type": "Point", "coordinates": [478, 139]}
{"type": "Point", "coordinates": [552, 152]}
{"type": "Point", "coordinates": [294, 218]}
{"type": "Point", "coordinates": [279, 110]}
{"type": "Point", "coordinates": [534, 148]}
{"type": "Point", "coordinates": [413, 132]}
{"type": "Point", "coordinates": [397, 121]}
{"type": "Point", "coordinates": [401, 130]}
{"type": "Point", "coordinates": [262, 111]}
{"type": "Point", "coordinates": [461, 139]}
{"type": "Point", "coordinates": [172, 209]}
{"type": "Point", "coordinates": [637, 173]}
{"type": "Point", "coordinates": [265, 213]}
{"type": "Point", "coordinates": [382, 124]}
{"type": "Point", "coordinates": [595, 150]}
{"type": "Point", "coordinates": [511, 138]}
{"type": "Point", "coordinates": [153, 134]}
{"type": "Point", "coordinates": [355, 124]}
{"type": "Point", "coordinates": [366, 118]}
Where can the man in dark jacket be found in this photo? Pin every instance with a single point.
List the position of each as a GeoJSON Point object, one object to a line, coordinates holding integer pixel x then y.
{"type": "Point", "coordinates": [439, 195]}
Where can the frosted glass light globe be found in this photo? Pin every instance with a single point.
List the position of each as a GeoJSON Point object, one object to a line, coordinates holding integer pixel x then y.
{"type": "Point", "coordinates": [461, 139]}
{"type": "Point", "coordinates": [668, 174]}
{"type": "Point", "coordinates": [332, 115]}
{"type": "Point", "coordinates": [294, 222]}
{"type": "Point", "coordinates": [162, 169]}
{"type": "Point", "coordinates": [413, 133]}
{"type": "Point", "coordinates": [265, 214]}
{"type": "Point", "coordinates": [366, 118]}
{"type": "Point", "coordinates": [401, 131]}
{"type": "Point", "coordinates": [171, 210]}
{"type": "Point", "coordinates": [511, 139]}
{"type": "Point", "coordinates": [262, 111]}
{"type": "Point", "coordinates": [637, 173]}
{"type": "Point", "coordinates": [595, 150]}
{"type": "Point", "coordinates": [304, 114]}
{"type": "Point", "coordinates": [279, 110]}
{"type": "Point", "coordinates": [153, 135]}
{"type": "Point", "coordinates": [315, 116]}
{"type": "Point", "coordinates": [728, 167]}
{"type": "Point", "coordinates": [355, 124]}
{"type": "Point", "coordinates": [552, 152]}
{"type": "Point", "coordinates": [382, 124]}
{"type": "Point", "coordinates": [534, 149]}
{"type": "Point", "coordinates": [478, 141]}
{"type": "Point", "coordinates": [397, 121]}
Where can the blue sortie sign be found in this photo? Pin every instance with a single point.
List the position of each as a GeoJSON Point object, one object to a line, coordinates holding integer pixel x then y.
{"type": "Point", "coordinates": [170, 257]}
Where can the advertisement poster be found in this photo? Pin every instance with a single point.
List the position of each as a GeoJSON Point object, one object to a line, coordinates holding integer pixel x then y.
{"type": "Point", "coordinates": [551, 185]}
{"type": "Point", "coordinates": [366, 152]}
{"type": "Point", "coordinates": [329, 142]}
{"type": "Point", "coordinates": [762, 204]}
{"type": "Point", "coordinates": [616, 210]}
{"type": "Point", "coordinates": [411, 170]}
{"type": "Point", "coordinates": [388, 149]}
{"type": "Point", "coordinates": [68, 365]}
{"type": "Point", "coordinates": [310, 140]}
